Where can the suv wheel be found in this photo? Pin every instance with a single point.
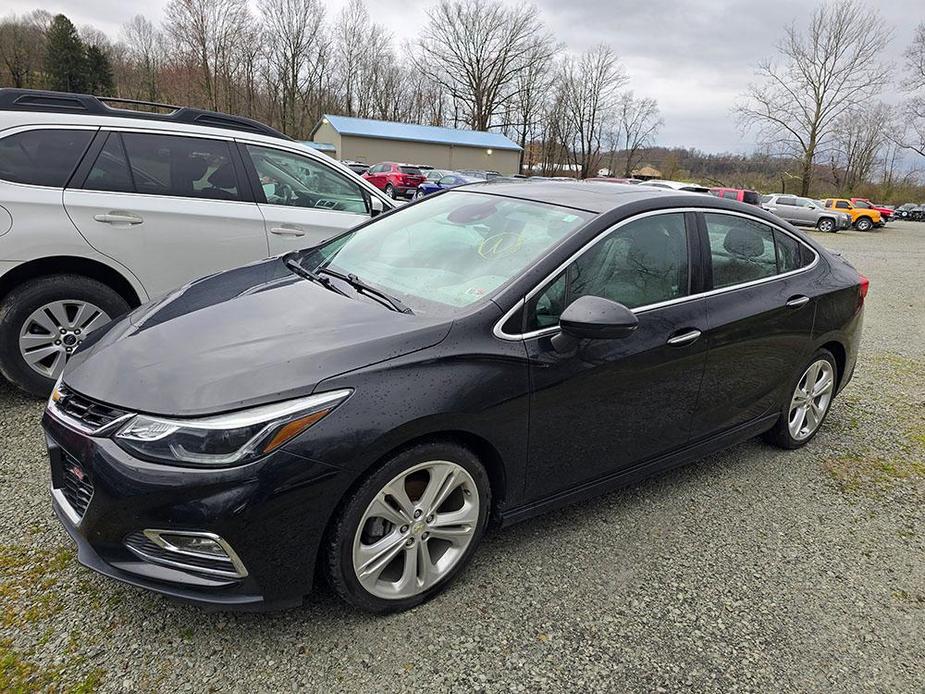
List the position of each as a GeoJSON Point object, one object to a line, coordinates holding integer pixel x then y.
{"type": "Point", "coordinates": [863, 224]}
{"type": "Point", "coordinates": [389, 190]}
{"type": "Point", "coordinates": [826, 224]}
{"type": "Point", "coordinates": [409, 528]}
{"type": "Point", "coordinates": [44, 320]}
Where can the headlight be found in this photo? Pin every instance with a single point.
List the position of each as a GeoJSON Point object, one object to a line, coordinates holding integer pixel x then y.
{"type": "Point", "coordinates": [227, 439]}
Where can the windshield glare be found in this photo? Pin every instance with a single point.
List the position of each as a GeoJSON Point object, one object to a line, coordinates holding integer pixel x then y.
{"type": "Point", "coordinates": [448, 251]}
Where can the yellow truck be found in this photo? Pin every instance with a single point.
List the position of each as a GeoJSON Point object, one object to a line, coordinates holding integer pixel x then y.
{"type": "Point", "coordinates": [862, 218]}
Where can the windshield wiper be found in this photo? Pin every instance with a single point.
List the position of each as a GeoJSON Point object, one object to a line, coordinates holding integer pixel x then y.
{"type": "Point", "coordinates": [294, 266]}
{"type": "Point", "coordinates": [368, 289]}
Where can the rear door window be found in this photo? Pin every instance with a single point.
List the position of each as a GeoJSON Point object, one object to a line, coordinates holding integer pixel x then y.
{"type": "Point", "coordinates": [44, 157]}
{"type": "Point", "coordinates": [110, 171]}
{"type": "Point", "coordinates": [187, 167]}
{"type": "Point", "coordinates": [741, 250]}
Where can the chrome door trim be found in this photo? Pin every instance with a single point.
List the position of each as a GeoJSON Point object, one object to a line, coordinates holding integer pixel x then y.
{"type": "Point", "coordinates": [552, 330]}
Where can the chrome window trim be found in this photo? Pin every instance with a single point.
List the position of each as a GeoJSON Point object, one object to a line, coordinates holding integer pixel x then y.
{"type": "Point", "coordinates": [499, 333]}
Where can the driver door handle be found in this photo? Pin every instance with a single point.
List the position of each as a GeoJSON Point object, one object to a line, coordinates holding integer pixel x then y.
{"type": "Point", "coordinates": [287, 230]}
{"type": "Point", "coordinates": [684, 338]}
{"type": "Point", "coordinates": [797, 301]}
{"type": "Point", "coordinates": [118, 218]}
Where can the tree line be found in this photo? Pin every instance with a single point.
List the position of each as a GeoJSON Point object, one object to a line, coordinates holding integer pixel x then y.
{"type": "Point", "coordinates": [479, 64]}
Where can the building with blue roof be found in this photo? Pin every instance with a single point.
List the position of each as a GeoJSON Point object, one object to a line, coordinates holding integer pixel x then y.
{"type": "Point", "coordinates": [373, 141]}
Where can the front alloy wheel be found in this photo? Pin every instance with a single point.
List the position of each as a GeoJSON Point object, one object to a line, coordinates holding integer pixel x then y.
{"type": "Point", "coordinates": [864, 224]}
{"type": "Point", "coordinates": [415, 530]}
{"type": "Point", "coordinates": [826, 225]}
{"type": "Point", "coordinates": [409, 528]}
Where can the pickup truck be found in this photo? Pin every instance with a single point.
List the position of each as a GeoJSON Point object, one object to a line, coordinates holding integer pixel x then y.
{"type": "Point", "coordinates": [885, 212]}
{"type": "Point", "coordinates": [863, 218]}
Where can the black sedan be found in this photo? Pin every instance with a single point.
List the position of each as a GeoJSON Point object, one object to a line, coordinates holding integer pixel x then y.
{"type": "Point", "coordinates": [360, 410]}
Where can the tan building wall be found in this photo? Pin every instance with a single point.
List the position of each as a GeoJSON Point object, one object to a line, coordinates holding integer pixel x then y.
{"type": "Point", "coordinates": [371, 150]}
{"type": "Point", "coordinates": [327, 134]}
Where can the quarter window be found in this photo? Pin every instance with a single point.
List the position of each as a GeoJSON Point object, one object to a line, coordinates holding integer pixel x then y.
{"type": "Point", "coordinates": [110, 170]}
{"type": "Point", "coordinates": [644, 262]}
{"type": "Point", "coordinates": [42, 157]}
{"type": "Point", "coordinates": [290, 179]}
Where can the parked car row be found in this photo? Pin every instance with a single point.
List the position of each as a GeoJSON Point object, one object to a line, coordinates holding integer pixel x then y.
{"type": "Point", "coordinates": [911, 212]}
{"type": "Point", "coordinates": [414, 181]}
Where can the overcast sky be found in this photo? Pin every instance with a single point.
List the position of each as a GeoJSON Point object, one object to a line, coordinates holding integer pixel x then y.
{"type": "Point", "coordinates": [695, 57]}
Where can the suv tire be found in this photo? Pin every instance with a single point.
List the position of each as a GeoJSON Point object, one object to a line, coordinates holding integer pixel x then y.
{"type": "Point", "coordinates": [19, 306]}
{"type": "Point", "coordinates": [356, 518]}
{"type": "Point", "coordinates": [827, 224]}
{"type": "Point", "coordinates": [390, 191]}
{"type": "Point", "coordinates": [863, 224]}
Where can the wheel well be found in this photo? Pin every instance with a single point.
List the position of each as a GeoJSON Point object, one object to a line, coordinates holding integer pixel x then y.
{"type": "Point", "coordinates": [841, 358]}
{"type": "Point", "coordinates": [57, 265]}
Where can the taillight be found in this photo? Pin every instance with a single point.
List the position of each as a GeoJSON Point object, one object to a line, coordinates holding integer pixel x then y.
{"type": "Point", "coordinates": [862, 289]}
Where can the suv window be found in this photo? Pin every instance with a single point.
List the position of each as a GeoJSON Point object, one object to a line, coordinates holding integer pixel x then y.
{"type": "Point", "coordinates": [787, 201]}
{"type": "Point", "coordinates": [751, 197]}
{"type": "Point", "coordinates": [731, 194]}
{"type": "Point", "coordinates": [644, 262]}
{"type": "Point", "coordinates": [842, 205]}
{"type": "Point", "coordinates": [297, 181]}
{"type": "Point", "coordinates": [410, 170]}
{"type": "Point", "coordinates": [743, 250]}
{"type": "Point", "coordinates": [187, 167]}
{"type": "Point", "coordinates": [42, 157]}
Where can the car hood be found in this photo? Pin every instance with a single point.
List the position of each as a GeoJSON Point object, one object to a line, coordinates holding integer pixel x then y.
{"type": "Point", "coordinates": [245, 337]}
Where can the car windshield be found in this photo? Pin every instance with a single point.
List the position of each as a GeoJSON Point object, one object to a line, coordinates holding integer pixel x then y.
{"type": "Point", "coordinates": [861, 203]}
{"type": "Point", "coordinates": [449, 251]}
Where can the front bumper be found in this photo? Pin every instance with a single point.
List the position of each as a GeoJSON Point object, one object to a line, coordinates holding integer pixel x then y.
{"type": "Point", "coordinates": [272, 513]}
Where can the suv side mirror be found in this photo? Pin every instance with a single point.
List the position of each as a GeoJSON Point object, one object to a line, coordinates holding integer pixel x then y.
{"type": "Point", "coordinates": [596, 318]}
{"type": "Point", "coordinates": [376, 206]}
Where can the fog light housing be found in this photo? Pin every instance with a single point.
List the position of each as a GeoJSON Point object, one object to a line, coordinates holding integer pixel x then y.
{"type": "Point", "coordinates": [188, 550]}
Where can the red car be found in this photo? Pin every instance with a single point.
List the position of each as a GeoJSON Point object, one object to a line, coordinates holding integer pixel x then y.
{"type": "Point", "coordinates": [885, 212]}
{"type": "Point", "coordinates": [396, 180]}
{"type": "Point", "coordinates": [740, 194]}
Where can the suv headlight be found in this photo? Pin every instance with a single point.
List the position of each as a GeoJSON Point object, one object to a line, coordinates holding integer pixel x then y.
{"type": "Point", "coordinates": [226, 439]}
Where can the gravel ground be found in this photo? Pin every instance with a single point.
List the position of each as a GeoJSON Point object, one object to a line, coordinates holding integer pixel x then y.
{"type": "Point", "coordinates": [752, 570]}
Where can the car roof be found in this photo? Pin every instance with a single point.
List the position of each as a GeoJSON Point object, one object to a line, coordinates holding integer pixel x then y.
{"type": "Point", "coordinates": [597, 197]}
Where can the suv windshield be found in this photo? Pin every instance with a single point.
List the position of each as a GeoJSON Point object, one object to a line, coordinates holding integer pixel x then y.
{"type": "Point", "coordinates": [449, 251]}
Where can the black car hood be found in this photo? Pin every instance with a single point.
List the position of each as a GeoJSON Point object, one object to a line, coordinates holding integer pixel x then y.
{"type": "Point", "coordinates": [249, 336]}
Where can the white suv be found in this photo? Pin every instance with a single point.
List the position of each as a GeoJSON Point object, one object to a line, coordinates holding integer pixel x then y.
{"type": "Point", "coordinates": [103, 208]}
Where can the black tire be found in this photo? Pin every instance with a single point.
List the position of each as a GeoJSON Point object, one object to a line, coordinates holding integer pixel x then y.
{"type": "Point", "coordinates": [389, 191]}
{"type": "Point", "coordinates": [780, 435]}
{"type": "Point", "coordinates": [22, 301]}
{"type": "Point", "coordinates": [827, 224]}
{"type": "Point", "coordinates": [338, 546]}
{"type": "Point", "coordinates": [864, 224]}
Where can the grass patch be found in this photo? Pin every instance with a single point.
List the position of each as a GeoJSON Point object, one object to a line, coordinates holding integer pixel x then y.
{"type": "Point", "coordinates": [28, 577]}
{"type": "Point", "coordinates": [19, 675]}
{"type": "Point", "coordinates": [870, 473]}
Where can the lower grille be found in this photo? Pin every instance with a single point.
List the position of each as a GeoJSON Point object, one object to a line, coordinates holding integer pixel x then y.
{"type": "Point", "coordinates": [76, 487]}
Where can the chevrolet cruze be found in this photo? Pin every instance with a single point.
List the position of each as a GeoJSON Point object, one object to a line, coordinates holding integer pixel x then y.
{"type": "Point", "coordinates": [360, 410]}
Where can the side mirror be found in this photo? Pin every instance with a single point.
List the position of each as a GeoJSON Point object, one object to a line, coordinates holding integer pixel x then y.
{"type": "Point", "coordinates": [595, 318]}
{"type": "Point", "coordinates": [376, 206]}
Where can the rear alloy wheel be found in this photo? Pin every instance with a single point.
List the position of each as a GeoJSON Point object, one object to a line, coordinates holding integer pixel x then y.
{"type": "Point", "coordinates": [826, 225]}
{"type": "Point", "coordinates": [808, 405]}
{"type": "Point", "coordinates": [418, 194]}
{"type": "Point", "coordinates": [44, 320]}
{"type": "Point", "coordinates": [389, 190]}
{"type": "Point", "coordinates": [409, 528]}
{"type": "Point", "coordinates": [864, 224]}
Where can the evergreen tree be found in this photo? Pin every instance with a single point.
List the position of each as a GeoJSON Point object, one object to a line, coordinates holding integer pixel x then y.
{"type": "Point", "coordinates": [99, 78]}
{"type": "Point", "coordinates": [65, 57]}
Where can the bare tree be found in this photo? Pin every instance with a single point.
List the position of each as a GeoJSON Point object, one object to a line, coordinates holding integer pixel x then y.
{"type": "Point", "coordinates": [588, 87]}
{"type": "Point", "coordinates": [858, 138]}
{"type": "Point", "coordinates": [146, 51]}
{"type": "Point", "coordinates": [639, 120]}
{"type": "Point", "coordinates": [914, 110]}
{"type": "Point", "coordinates": [295, 44]}
{"type": "Point", "coordinates": [208, 31]}
{"type": "Point", "coordinates": [475, 50]}
{"type": "Point", "coordinates": [22, 46]}
{"type": "Point", "coordinates": [820, 74]}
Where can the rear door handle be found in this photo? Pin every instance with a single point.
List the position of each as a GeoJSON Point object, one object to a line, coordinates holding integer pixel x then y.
{"type": "Point", "coordinates": [797, 301]}
{"type": "Point", "coordinates": [118, 218]}
{"type": "Point", "coordinates": [286, 230]}
{"type": "Point", "coordinates": [684, 338]}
